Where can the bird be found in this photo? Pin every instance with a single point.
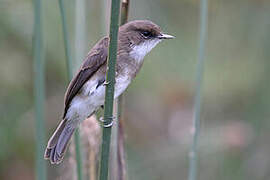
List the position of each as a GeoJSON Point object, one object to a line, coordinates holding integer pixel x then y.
{"type": "Point", "coordinates": [86, 91]}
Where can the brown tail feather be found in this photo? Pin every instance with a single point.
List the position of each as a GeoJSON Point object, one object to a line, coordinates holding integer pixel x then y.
{"type": "Point", "coordinates": [58, 143]}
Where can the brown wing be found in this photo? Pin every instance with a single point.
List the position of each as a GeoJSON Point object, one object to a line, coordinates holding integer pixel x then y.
{"type": "Point", "coordinates": [95, 58]}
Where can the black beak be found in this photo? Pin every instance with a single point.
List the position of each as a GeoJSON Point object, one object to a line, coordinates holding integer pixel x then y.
{"type": "Point", "coordinates": [165, 36]}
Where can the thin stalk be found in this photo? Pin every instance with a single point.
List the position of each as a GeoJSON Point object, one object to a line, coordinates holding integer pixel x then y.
{"type": "Point", "coordinates": [197, 108]}
{"type": "Point", "coordinates": [78, 154]}
{"type": "Point", "coordinates": [121, 168]}
{"type": "Point", "coordinates": [121, 163]}
{"type": "Point", "coordinates": [70, 74]}
{"type": "Point", "coordinates": [117, 164]}
{"type": "Point", "coordinates": [113, 168]}
{"type": "Point", "coordinates": [124, 19]}
{"type": "Point", "coordinates": [124, 11]}
{"type": "Point", "coordinates": [80, 15]}
{"type": "Point", "coordinates": [66, 40]}
{"type": "Point", "coordinates": [39, 86]}
{"type": "Point", "coordinates": [109, 94]}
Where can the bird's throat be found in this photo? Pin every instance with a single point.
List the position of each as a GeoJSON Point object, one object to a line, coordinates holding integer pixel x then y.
{"type": "Point", "coordinates": [138, 52]}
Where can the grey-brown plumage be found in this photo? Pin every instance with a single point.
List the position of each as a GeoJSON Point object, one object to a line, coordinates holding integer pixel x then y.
{"type": "Point", "coordinates": [95, 58]}
{"type": "Point", "coordinates": [86, 91]}
{"type": "Point", "coordinates": [58, 142]}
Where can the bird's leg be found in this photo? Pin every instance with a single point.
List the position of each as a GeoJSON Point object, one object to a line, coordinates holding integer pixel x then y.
{"type": "Point", "coordinates": [100, 82]}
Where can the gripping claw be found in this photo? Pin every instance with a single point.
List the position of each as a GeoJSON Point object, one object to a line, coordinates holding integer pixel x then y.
{"type": "Point", "coordinates": [107, 125]}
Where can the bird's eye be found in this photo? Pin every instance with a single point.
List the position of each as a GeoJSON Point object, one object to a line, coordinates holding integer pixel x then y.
{"type": "Point", "coordinates": [146, 34]}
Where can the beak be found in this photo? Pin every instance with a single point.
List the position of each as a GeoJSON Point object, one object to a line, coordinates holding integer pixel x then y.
{"type": "Point", "coordinates": [165, 36]}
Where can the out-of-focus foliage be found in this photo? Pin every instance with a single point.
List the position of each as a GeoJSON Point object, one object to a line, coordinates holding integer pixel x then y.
{"type": "Point", "coordinates": [236, 99]}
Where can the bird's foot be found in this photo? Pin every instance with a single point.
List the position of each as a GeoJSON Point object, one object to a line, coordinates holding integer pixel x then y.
{"type": "Point", "coordinates": [108, 125]}
{"type": "Point", "coordinates": [106, 83]}
{"type": "Point", "coordinates": [101, 119]}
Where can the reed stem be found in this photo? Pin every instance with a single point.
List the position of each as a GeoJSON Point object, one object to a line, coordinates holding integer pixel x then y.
{"type": "Point", "coordinates": [66, 40]}
{"type": "Point", "coordinates": [197, 108]}
{"type": "Point", "coordinates": [70, 75]}
{"type": "Point", "coordinates": [39, 88]}
{"type": "Point", "coordinates": [109, 94]}
{"type": "Point", "coordinates": [121, 165]}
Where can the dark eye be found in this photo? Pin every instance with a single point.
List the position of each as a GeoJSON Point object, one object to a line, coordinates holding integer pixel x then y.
{"type": "Point", "coordinates": [146, 34]}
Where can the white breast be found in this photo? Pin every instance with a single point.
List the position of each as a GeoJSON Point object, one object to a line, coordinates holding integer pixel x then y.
{"type": "Point", "coordinates": [92, 98]}
{"type": "Point", "coordinates": [121, 84]}
{"type": "Point", "coordinates": [87, 102]}
{"type": "Point", "coordinates": [138, 52]}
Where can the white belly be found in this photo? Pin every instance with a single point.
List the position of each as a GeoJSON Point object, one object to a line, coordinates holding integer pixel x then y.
{"type": "Point", "coordinates": [92, 98]}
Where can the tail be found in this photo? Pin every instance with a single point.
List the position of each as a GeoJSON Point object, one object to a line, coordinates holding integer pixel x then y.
{"type": "Point", "coordinates": [59, 141]}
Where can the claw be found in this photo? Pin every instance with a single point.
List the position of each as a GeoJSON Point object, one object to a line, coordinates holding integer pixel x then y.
{"type": "Point", "coordinates": [108, 125]}
{"type": "Point", "coordinates": [106, 83]}
{"type": "Point", "coordinates": [101, 119]}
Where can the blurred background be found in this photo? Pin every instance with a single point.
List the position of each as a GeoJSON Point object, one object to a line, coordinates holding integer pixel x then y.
{"type": "Point", "coordinates": [234, 138]}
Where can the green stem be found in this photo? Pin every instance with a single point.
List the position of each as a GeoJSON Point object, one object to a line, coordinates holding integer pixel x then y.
{"type": "Point", "coordinates": [197, 108]}
{"type": "Point", "coordinates": [66, 40]}
{"type": "Point", "coordinates": [70, 74]}
{"type": "Point", "coordinates": [109, 94]}
{"type": "Point", "coordinates": [39, 86]}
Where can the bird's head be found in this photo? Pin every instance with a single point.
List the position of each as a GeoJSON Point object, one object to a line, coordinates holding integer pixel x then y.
{"type": "Point", "coordinates": [141, 36]}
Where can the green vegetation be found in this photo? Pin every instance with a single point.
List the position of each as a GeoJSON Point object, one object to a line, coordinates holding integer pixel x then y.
{"type": "Point", "coordinates": [39, 88]}
{"type": "Point", "coordinates": [197, 108]}
{"type": "Point", "coordinates": [70, 75]}
{"type": "Point", "coordinates": [159, 103]}
{"type": "Point", "coordinates": [109, 94]}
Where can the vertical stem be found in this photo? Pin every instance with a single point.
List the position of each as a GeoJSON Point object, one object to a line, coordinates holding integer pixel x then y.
{"type": "Point", "coordinates": [70, 74]}
{"type": "Point", "coordinates": [113, 167]}
{"type": "Point", "coordinates": [121, 164]}
{"type": "Point", "coordinates": [80, 26]}
{"type": "Point", "coordinates": [78, 154]}
{"type": "Point", "coordinates": [109, 94]}
{"type": "Point", "coordinates": [197, 109]}
{"type": "Point", "coordinates": [79, 55]}
{"type": "Point", "coordinates": [39, 94]}
{"type": "Point", "coordinates": [120, 131]}
{"type": "Point", "coordinates": [124, 11]}
{"type": "Point", "coordinates": [66, 40]}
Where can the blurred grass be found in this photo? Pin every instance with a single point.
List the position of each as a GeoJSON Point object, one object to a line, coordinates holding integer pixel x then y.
{"type": "Point", "coordinates": [39, 91]}
{"type": "Point", "coordinates": [70, 75]}
{"type": "Point", "coordinates": [235, 126]}
{"type": "Point", "coordinates": [196, 124]}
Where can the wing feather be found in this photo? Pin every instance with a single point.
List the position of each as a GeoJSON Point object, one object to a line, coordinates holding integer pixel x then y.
{"type": "Point", "coordinates": [94, 60]}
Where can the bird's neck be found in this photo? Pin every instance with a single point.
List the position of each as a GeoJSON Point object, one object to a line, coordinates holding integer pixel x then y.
{"type": "Point", "coordinates": [131, 56]}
